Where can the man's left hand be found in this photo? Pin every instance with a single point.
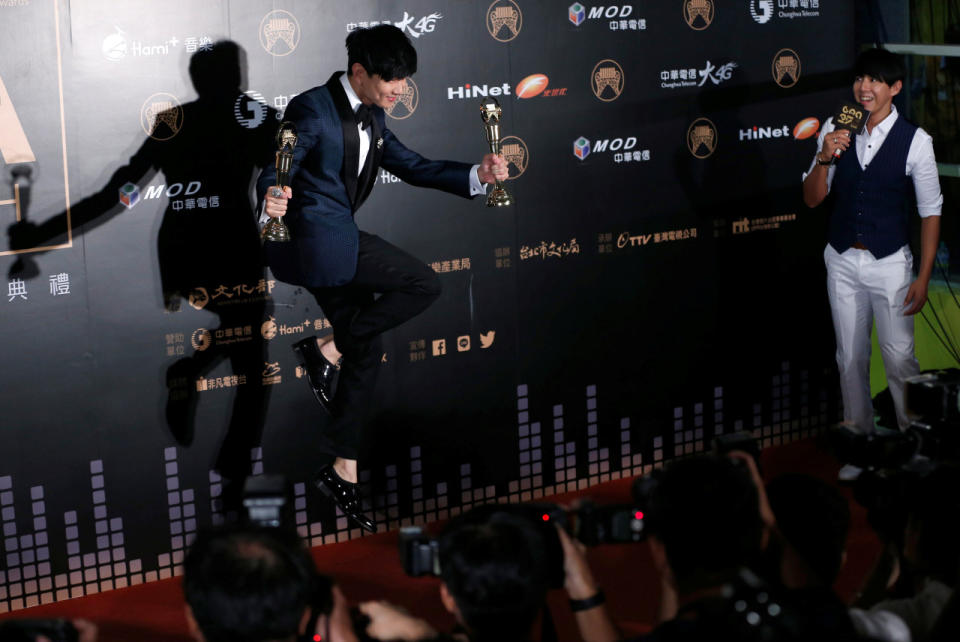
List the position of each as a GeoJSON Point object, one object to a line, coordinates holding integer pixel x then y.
{"type": "Point", "coordinates": [916, 297]}
{"type": "Point", "coordinates": [493, 168]}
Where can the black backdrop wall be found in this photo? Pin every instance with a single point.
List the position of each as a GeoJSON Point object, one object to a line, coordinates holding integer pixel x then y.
{"type": "Point", "coordinates": [657, 282]}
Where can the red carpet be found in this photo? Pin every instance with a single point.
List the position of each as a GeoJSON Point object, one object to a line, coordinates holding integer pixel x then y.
{"type": "Point", "coordinates": [368, 569]}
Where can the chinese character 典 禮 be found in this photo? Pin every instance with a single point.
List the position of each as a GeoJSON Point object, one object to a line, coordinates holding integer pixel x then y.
{"type": "Point", "coordinates": [59, 284]}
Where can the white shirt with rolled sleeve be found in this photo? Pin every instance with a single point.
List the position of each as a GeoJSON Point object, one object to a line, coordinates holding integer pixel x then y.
{"type": "Point", "coordinates": [921, 161]}
{"type": "Point", "coordinates": [862, 288]}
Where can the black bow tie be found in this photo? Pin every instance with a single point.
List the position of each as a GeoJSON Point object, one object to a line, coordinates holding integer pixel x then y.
{"type": "Point", "coordinates": [363, 116]}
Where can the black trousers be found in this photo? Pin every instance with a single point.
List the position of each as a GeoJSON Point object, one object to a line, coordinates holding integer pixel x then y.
{"type": "Point", "coordinates": [390, 287]}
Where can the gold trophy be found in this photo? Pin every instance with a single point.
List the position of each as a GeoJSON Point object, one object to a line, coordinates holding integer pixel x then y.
{"type": "Point", "coordinates": [276, 229]}
{"type": "Point", "coordinates": [490, 111]}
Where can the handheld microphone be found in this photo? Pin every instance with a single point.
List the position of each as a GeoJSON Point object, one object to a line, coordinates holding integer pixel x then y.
{"type": "Point", "coordinates": [849, 116]}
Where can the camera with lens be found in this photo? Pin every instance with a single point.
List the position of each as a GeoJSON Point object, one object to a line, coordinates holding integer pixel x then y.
{"type": "Point", "coordinates": [896, 462]}
{"type": "Point", "coordinates": [588, 522]}
{"type": "Point", "coordinates": [933, 401]}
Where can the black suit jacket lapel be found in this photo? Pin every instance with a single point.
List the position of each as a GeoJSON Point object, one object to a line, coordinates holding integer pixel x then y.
{"type": "Point", "coordinates": [351, 137]}
{"type": "Point", "coordinates": [369, 176]}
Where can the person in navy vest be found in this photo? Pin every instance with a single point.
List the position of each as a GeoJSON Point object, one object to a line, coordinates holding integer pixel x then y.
{"type": "Point", "coordinates": [364, 284]}
{"type": "Point", "coordinates": [869, 264]}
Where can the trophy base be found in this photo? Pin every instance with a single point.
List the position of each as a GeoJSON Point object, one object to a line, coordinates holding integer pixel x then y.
{"type": "Point", "coordinates": [499, 197]}
{"type": "Point", "coordinates": [275, 230]}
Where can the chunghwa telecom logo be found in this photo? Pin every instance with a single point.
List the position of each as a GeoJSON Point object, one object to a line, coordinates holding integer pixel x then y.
{"type": "Point", "coordinates": [279, 33]}
{"type": "Point", "coordinates": [504, 20]}
{"type": "Point", "coordinates": [761, 10]}
{"type": "Point", "coordinates": [250, 109]}
{"type": "Point", "coordinates": [606, 80]}
{"type": "Point", "coordinates": [201, 339]}
{"type": "Point", "coordinates": [406, 104]}
{"type": "Point", "coordinates": [161, 116]}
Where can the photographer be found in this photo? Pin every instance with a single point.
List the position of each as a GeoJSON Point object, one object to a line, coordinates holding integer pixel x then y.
{"type": "Point", "coordinates": [255, 584]}
{"type": "Point", "coordinates": [914, 580]}
{"type": "Point", "coordinates": [812, 523]}
{"type": "Point", "coordinates": [496, 567]}
{"type": "Point", "coordinates": [705, 526]}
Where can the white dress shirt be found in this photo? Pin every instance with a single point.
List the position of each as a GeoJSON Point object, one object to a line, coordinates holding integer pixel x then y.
{"type": "Point", "coordinates": [921, 162]}
{"type": "Point", "coordinates": [476, 187]}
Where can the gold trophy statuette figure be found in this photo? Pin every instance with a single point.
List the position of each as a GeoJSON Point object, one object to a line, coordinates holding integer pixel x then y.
{"type": "Point", "coordinates": [490, 111]}
{"type": "Point", "coordinates": [276, 229]}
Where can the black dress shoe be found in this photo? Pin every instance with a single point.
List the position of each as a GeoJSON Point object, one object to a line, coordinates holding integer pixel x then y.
{"type": "Point", "coordinates": [320, 372]}
{"type": "Point", "coordinates": [345, 495]}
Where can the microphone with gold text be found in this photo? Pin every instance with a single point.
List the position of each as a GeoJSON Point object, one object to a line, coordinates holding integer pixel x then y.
{"type": "Point", "coordinates": [849, 116]}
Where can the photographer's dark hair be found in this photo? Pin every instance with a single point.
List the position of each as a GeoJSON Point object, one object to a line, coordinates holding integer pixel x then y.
{"type": "Point", "coordinates": [496, 572]}
{"type": "Point", "coordinates": [880, 64]}
{"type": "Point", "coordinates": [383, 51]}
{"type": "Point", "coordinates": [705, 512]}
{"type": "Point", "coordinates": [248, 584]}
{"type": "Point", "coordinates": [814, 518]}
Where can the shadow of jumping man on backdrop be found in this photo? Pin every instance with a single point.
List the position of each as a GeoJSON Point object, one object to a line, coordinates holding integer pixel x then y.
{"type": "Point", "coordinates": [208, 245]}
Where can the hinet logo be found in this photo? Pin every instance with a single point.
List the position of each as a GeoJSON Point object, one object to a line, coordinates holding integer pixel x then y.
{"type": "Point", "coordinates": [475, 91]}
{"type": "Point", "coordinates": [759, 133]}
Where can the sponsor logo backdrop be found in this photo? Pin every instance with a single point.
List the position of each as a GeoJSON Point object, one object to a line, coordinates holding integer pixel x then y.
{"type": "Point", "coordinates": [656, 283]}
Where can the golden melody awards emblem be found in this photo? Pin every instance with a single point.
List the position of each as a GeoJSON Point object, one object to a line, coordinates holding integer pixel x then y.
{"type": "Point", "coordinates": [702, 138]}
{"type": "Point", "coordinates": [786, 68]}
{"type": "Point", "coordinates": [606, 80]}
{"type": "Point", "coordinates": [698, 14]}
{"type": "Point", "coordinates": [279, 33]}
{"type": "Point", "coordinates": [504, 20]}
{"type": "Point", "coordinates": [161, 116]}
{"type": "Point", "coordinates": [407, 103]}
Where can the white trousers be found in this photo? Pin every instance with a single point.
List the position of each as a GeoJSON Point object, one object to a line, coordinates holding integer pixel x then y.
{"type": "Point", "coordinates": [861, 289]}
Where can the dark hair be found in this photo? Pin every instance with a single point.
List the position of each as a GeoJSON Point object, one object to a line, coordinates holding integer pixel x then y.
{"type": "Point", "coordinates": [383, 51]}
{"type": "Point", "coordinates": [247, 584]}
{"type": "Point", "coordinates": [705, 511]}
{"type": "Point", "coordinates": [880, 64]}
{"type": "Point", "coordinates": [813, 518]}
{"type": "Point", "coordinates": [496, 572]}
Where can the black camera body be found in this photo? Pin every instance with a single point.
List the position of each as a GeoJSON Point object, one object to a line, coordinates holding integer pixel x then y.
{"type": "Point", "coordinates": [591, 524]}
{"type": "Point", "coordinates": [419, 552]}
